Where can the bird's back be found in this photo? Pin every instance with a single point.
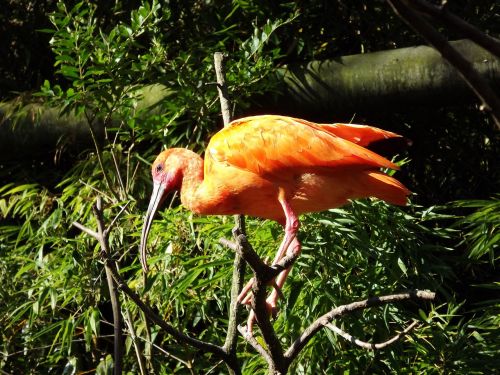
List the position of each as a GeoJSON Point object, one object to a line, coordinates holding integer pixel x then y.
{"type": "Point", "coordinates": [320, 166]}
{"type": "Point", "coordinates": [271, 143]}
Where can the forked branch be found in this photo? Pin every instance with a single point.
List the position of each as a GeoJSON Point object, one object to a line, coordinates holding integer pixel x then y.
{"type": "Point", "coordinates": [340, 311]}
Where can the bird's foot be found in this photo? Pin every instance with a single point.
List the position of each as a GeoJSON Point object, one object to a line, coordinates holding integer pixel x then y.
{"type": "Point", "coordinates": [271, 309]}
{"type": "Point", "coordinates": [245, 293]}
{"type": "Point", "coordinates": [245, 296]}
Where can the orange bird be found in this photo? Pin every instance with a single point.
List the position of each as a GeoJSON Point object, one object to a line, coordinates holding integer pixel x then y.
{"type": "Point", "coordinates": [275, 167]}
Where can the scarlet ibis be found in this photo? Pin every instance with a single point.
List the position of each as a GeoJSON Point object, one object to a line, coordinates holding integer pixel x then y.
{"type": "Point", "coordinates": [275, 167]}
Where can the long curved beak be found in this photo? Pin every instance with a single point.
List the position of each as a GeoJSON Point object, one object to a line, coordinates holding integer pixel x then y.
{"type": "Point", "coordinates": [157, 197]}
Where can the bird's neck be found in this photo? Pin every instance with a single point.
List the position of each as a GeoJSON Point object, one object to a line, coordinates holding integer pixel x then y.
{"type": "Point", "coordinates": [192, 181]}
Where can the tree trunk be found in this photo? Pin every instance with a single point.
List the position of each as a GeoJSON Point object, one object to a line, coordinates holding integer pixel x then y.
{"type": "Point", "coordinates": [382, 81]}
{"type": "Point", "coordinates": [326, 90]}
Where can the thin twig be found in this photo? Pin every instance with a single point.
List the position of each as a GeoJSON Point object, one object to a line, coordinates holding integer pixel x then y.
{"type": "Point", "coordinates": [84, 229]}
{"type": "Point", "coordinates": [213, 367]}
{"type": "Point", "coordinates": [100, 192]}
{"type": "Point", "coordinates": [118, 174]}
{"type": "Point", "coordinates": [127, 174]}
{"type": "Point", "coordinates": [164, 351]}
{"type": "Point", "coordinates": [465, 69]}
{"type": "Point", "coordinates": [113, 293]}
{"type": "Point", "coordinates": [367, 345]}
{"type": "Point", "coordinates": [337, 312]}
{"type": "Point", "coordinates": [98, 151]}
{"type": "Point", "coordinates": [133, 336]}
{"type": "Point", "coordinates": [113, 222]}
{"type": "Point", "coordinates": [43, 347]}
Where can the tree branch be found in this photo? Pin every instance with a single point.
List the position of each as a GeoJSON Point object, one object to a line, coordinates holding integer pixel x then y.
{"type": "Point", "coordinates": [238, 264]}
{"type": "Point", "coordinates": [255, 344]}
{"type": "Point", "coordinates": [84, 229]}
{"type": "Point", "coordinates": [477, 83]}
{"type": "Point", "coordinates": [102, 236]}
{"type": "Point", "coordinates": [259, 307]}
{"type": "Point", "coordinates": [222, 88]}
{"type": "Point", "coordinates": [367, 345]}
{"type": "Point", "coordinates": [337, 312]}
{"type": "Point", "coordinates": [246, 251]}
{"type": "Point", "coordinates": [449, 19]}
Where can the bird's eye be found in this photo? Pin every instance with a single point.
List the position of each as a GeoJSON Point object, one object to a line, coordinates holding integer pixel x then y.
{"type": "Point", "coordinates": [159, 168]}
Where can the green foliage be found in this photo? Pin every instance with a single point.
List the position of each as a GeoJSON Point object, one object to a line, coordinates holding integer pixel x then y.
{"type": "Point", "coordinates": [54, 302]}
{"type": "Point", "coordinates": [483, 235]}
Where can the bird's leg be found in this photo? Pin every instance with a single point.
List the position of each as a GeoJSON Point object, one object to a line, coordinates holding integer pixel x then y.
{"type": "Point", "coordinates": [290, 245]}
{"type": "Point", "coordinates": [272, 299]}
{"type": "Point", "coordinates": [291, 227]}
{"type": "Point", "coordinates": [244, 296]}
{"type": "Point", "coordinates": [294, 249]}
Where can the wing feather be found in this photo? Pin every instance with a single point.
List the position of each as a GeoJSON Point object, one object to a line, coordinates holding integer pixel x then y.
{"type": "Point", "coordinates": [269, 144]}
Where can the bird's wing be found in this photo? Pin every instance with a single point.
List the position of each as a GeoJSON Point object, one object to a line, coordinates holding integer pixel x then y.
{"type": "Point", "coordinates": [362, 135]}
{"type": "Point", "coordinates": [269, 144]}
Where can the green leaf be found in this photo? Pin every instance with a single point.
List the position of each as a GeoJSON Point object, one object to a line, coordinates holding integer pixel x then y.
{"type": "Point", "coordinates": [402, 267]}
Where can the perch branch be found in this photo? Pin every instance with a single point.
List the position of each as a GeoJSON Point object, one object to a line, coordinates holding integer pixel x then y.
{"type": "Point", "coordinates": [450, 20]}
{"type": "Point", "coordinates": [337, 312]}
{"type": "Point", "coordinates": [259, 308]}
{"type": "Point", "coordinates": [246, 251]}
{"type": "Point", "coordinates": [475, 81]}
{"type": "Point", "coordinates": [367, 345]}
{"type": "Point", "coordinates": [263, 274]}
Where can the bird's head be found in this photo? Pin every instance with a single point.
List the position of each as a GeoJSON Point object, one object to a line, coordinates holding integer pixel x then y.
{"type": "Point", "coordinates": [167, 172]}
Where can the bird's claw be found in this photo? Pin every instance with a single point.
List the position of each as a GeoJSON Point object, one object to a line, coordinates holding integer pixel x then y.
{"type": "Point", "coordinates": [245, 296]}
{"type": "Point", "coordinates": [271, 309]}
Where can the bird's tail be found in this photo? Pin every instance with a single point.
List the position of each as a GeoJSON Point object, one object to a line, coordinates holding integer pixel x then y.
{"type": "Point", "coordinates": [387, 188]}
